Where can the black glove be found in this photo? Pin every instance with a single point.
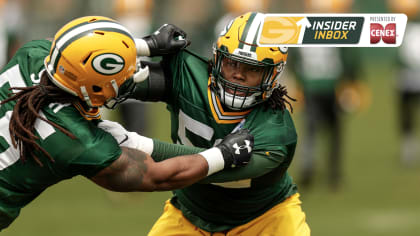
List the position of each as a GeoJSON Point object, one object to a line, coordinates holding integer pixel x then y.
{"type": "Point", "coordinates": [237, 148]}
{"type": "Point", "coordinates": [166, 40]}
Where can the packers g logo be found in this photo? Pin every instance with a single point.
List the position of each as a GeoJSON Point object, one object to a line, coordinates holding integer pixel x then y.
{"type": "Point", "coordinates": [281, 30]}
{"type": "Point", "coordinates": [108, 63]}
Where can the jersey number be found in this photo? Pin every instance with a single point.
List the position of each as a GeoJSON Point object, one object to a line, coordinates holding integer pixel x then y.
{"type": "Point", "coordinates": [186, 122]}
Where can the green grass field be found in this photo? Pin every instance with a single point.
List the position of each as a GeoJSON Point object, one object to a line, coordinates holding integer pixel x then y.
{"type": "Point", "coordinates": [379, 196]}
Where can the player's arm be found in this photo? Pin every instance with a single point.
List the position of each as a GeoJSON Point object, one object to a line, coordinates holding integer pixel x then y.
{"type": "Point", "coordinates": [166, 41]}
{"type": "Point", "coordinates": [157, 87]}
{"type": "Point", "coordinates": [135, 170]}
{"type": "Point", "coordinates": [260, 162]}
{"type": "Point", "coordinates": [259, 165]}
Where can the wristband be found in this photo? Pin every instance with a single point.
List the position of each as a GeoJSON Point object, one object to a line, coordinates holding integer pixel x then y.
{"type": "Point", "coordinates": [141, 143]}
{"type": "Point", "coordinates": [125, 138]}
{"type": "Point", "coordinates": [142, 47]}
{"type": "Point", "coordinates": [215, 160]}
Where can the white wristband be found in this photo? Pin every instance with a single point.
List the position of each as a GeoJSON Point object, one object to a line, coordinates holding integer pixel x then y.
{"type": "Point", "coordinates": [125, 138]}
{"type": "Point", "coordinates": [142, 143]}
{"type": "Point", "coordinates": [142, 47]}
{"type": "Point", "coordinates": [215, 160]}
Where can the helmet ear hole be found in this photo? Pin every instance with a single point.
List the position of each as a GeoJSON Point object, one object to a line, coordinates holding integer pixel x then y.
{"type": "Point", "coordinates": [96, 88]}
{"type": "Point", "coordinates": [86, 58]}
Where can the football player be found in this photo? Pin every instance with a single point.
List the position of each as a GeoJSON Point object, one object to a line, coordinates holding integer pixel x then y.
{"type": "Point", "coordinates": [322, 72]}
{"type": "Point", "coordinates": [239, 88]}
{"type": "Point", "coordinates": [408, 81]}
{"type": "Point", "coordinates": [50, 128]}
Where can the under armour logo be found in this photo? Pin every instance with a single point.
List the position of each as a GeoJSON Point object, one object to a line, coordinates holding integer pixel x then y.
{"type": "Point", "coordinates": [239, 148]}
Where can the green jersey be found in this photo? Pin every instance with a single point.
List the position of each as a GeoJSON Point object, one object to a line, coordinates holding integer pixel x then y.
{"type": "Point", "coordinates": [91, 151]}
{"type": "Point", "coordinates": [233, 197]}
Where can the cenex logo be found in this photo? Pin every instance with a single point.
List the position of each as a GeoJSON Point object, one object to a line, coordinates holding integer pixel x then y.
{"type": "Point", "coordinates": [388, 34]}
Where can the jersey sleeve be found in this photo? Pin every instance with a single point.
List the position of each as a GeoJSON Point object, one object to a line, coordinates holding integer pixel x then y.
{"type": "Point", "coordinates": [92, 150]}
{"type": "Point", "coordinates": [100, 153]}
{"type": "Point", "coordinates": [259, 165]}
{"type": "Point", "coordinates": [272, 130]}
{"type": "Point", "coordinates": [185, 71]}
{"type": "Point", "coordinates": [30, 58]}
{"type": "Point", "coordinates": [171, 65]}
{"type": "Point", "coordinates": [153, 89]}
{"type": "Point", "coordinates": [275, 141]}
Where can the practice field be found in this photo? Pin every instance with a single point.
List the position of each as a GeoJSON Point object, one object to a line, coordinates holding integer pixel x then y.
{"type": "Point", "coordinates": [379, 196]}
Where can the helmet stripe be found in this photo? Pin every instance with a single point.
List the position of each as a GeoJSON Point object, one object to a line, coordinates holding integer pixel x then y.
{"type": "Point", "coordinates": [79, 25]}
{"type": "Point", "coordinates": [252, 32]}
{"type": "Point", "coordinates": [254, 42]}
{"type": "Point", "coordinates": [81, 30]}
{"type": "Point", "coordinates": [64, 46]}
{"type": "Point", "coordinates": [57, 55]}
{"type": "Point", "coordinates": [245, 31]}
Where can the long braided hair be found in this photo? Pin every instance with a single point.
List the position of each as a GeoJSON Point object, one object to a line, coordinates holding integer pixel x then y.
{"type": "Point", "coordinates": [29, 101]}
{"type": "Point", "coordinates": [279, 98]}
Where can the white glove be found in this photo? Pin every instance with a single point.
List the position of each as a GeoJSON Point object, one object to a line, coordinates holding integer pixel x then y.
{"type": "Point", "coordinates": [126, 138]}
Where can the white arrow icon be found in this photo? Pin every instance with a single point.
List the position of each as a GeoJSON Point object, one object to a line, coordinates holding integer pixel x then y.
{"type": "Point", "coordinates": [305, 24]}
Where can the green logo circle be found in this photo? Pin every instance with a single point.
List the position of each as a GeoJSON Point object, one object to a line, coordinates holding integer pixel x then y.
{"type": "Point", "coordinates": [108, 63]}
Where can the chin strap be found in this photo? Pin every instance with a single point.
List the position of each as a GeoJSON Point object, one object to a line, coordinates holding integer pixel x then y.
{"type": "Point", "coordinates": [85, 94]}
{"type": "Point", "coordinates": [90, 113]}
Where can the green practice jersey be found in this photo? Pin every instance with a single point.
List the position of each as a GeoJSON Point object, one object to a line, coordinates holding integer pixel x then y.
{"type": "Point", "coordinates": [91, 151]}
{"type": "Point", "coordinates": [232, 197]}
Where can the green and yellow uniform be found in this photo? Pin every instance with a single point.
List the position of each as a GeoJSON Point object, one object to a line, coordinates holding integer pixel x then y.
{"type": "Point", "coordinates": [235, 197]}
{"type": "Point", "coordinates": [91, 151]}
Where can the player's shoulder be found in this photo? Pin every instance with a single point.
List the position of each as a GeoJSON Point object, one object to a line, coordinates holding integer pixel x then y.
{"type": "Point", "coordinates": [190, 73]}
{"type": "Point", "coordinates": [276, 126]}
{"type": "Point", "coordinates": [190, 58]}
{"type": "Point", "coordinates": [88, 136]}
{"type": "Point", "coordinates": [68, 117]}
{"type": "Point", "coordinates": [190, 55]}
{"type": "Point", "coordinates": [91, 148]}
{"type": "Point", "coordinates": [268, 116]}
{"type": "Point", "coordinates": [35, 46]}
{"type": "Point", "coordinates": [29, 57]}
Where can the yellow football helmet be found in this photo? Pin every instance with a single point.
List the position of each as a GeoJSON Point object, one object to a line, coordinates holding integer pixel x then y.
{"type": "Point", "coordinates": [91, 57]}
{"type": "Point", "coordinates": [237, 42]}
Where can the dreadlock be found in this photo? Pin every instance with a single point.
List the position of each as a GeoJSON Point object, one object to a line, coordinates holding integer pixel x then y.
{"type": "Point", "coordinates": [279, 98]}
{"type": "Point", "coordinates": [29, 101]}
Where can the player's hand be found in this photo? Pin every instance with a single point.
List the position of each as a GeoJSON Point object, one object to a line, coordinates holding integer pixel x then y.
{"type": "Point", "coordinates": [166, 40]}
{"type": "Point", "coordinates": [237, 148]}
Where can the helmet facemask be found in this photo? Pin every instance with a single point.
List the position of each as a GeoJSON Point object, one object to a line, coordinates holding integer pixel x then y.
{"type": "Point", "coordinates": [238, 43]}
{"type": "Point", "coordinates": [238, 96]}
{"type": "Point", "coordinates": [128, 87]}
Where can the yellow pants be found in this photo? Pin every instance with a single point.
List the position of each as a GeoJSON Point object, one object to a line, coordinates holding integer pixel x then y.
{"type": "Point", "coordinates": [284, 219]}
